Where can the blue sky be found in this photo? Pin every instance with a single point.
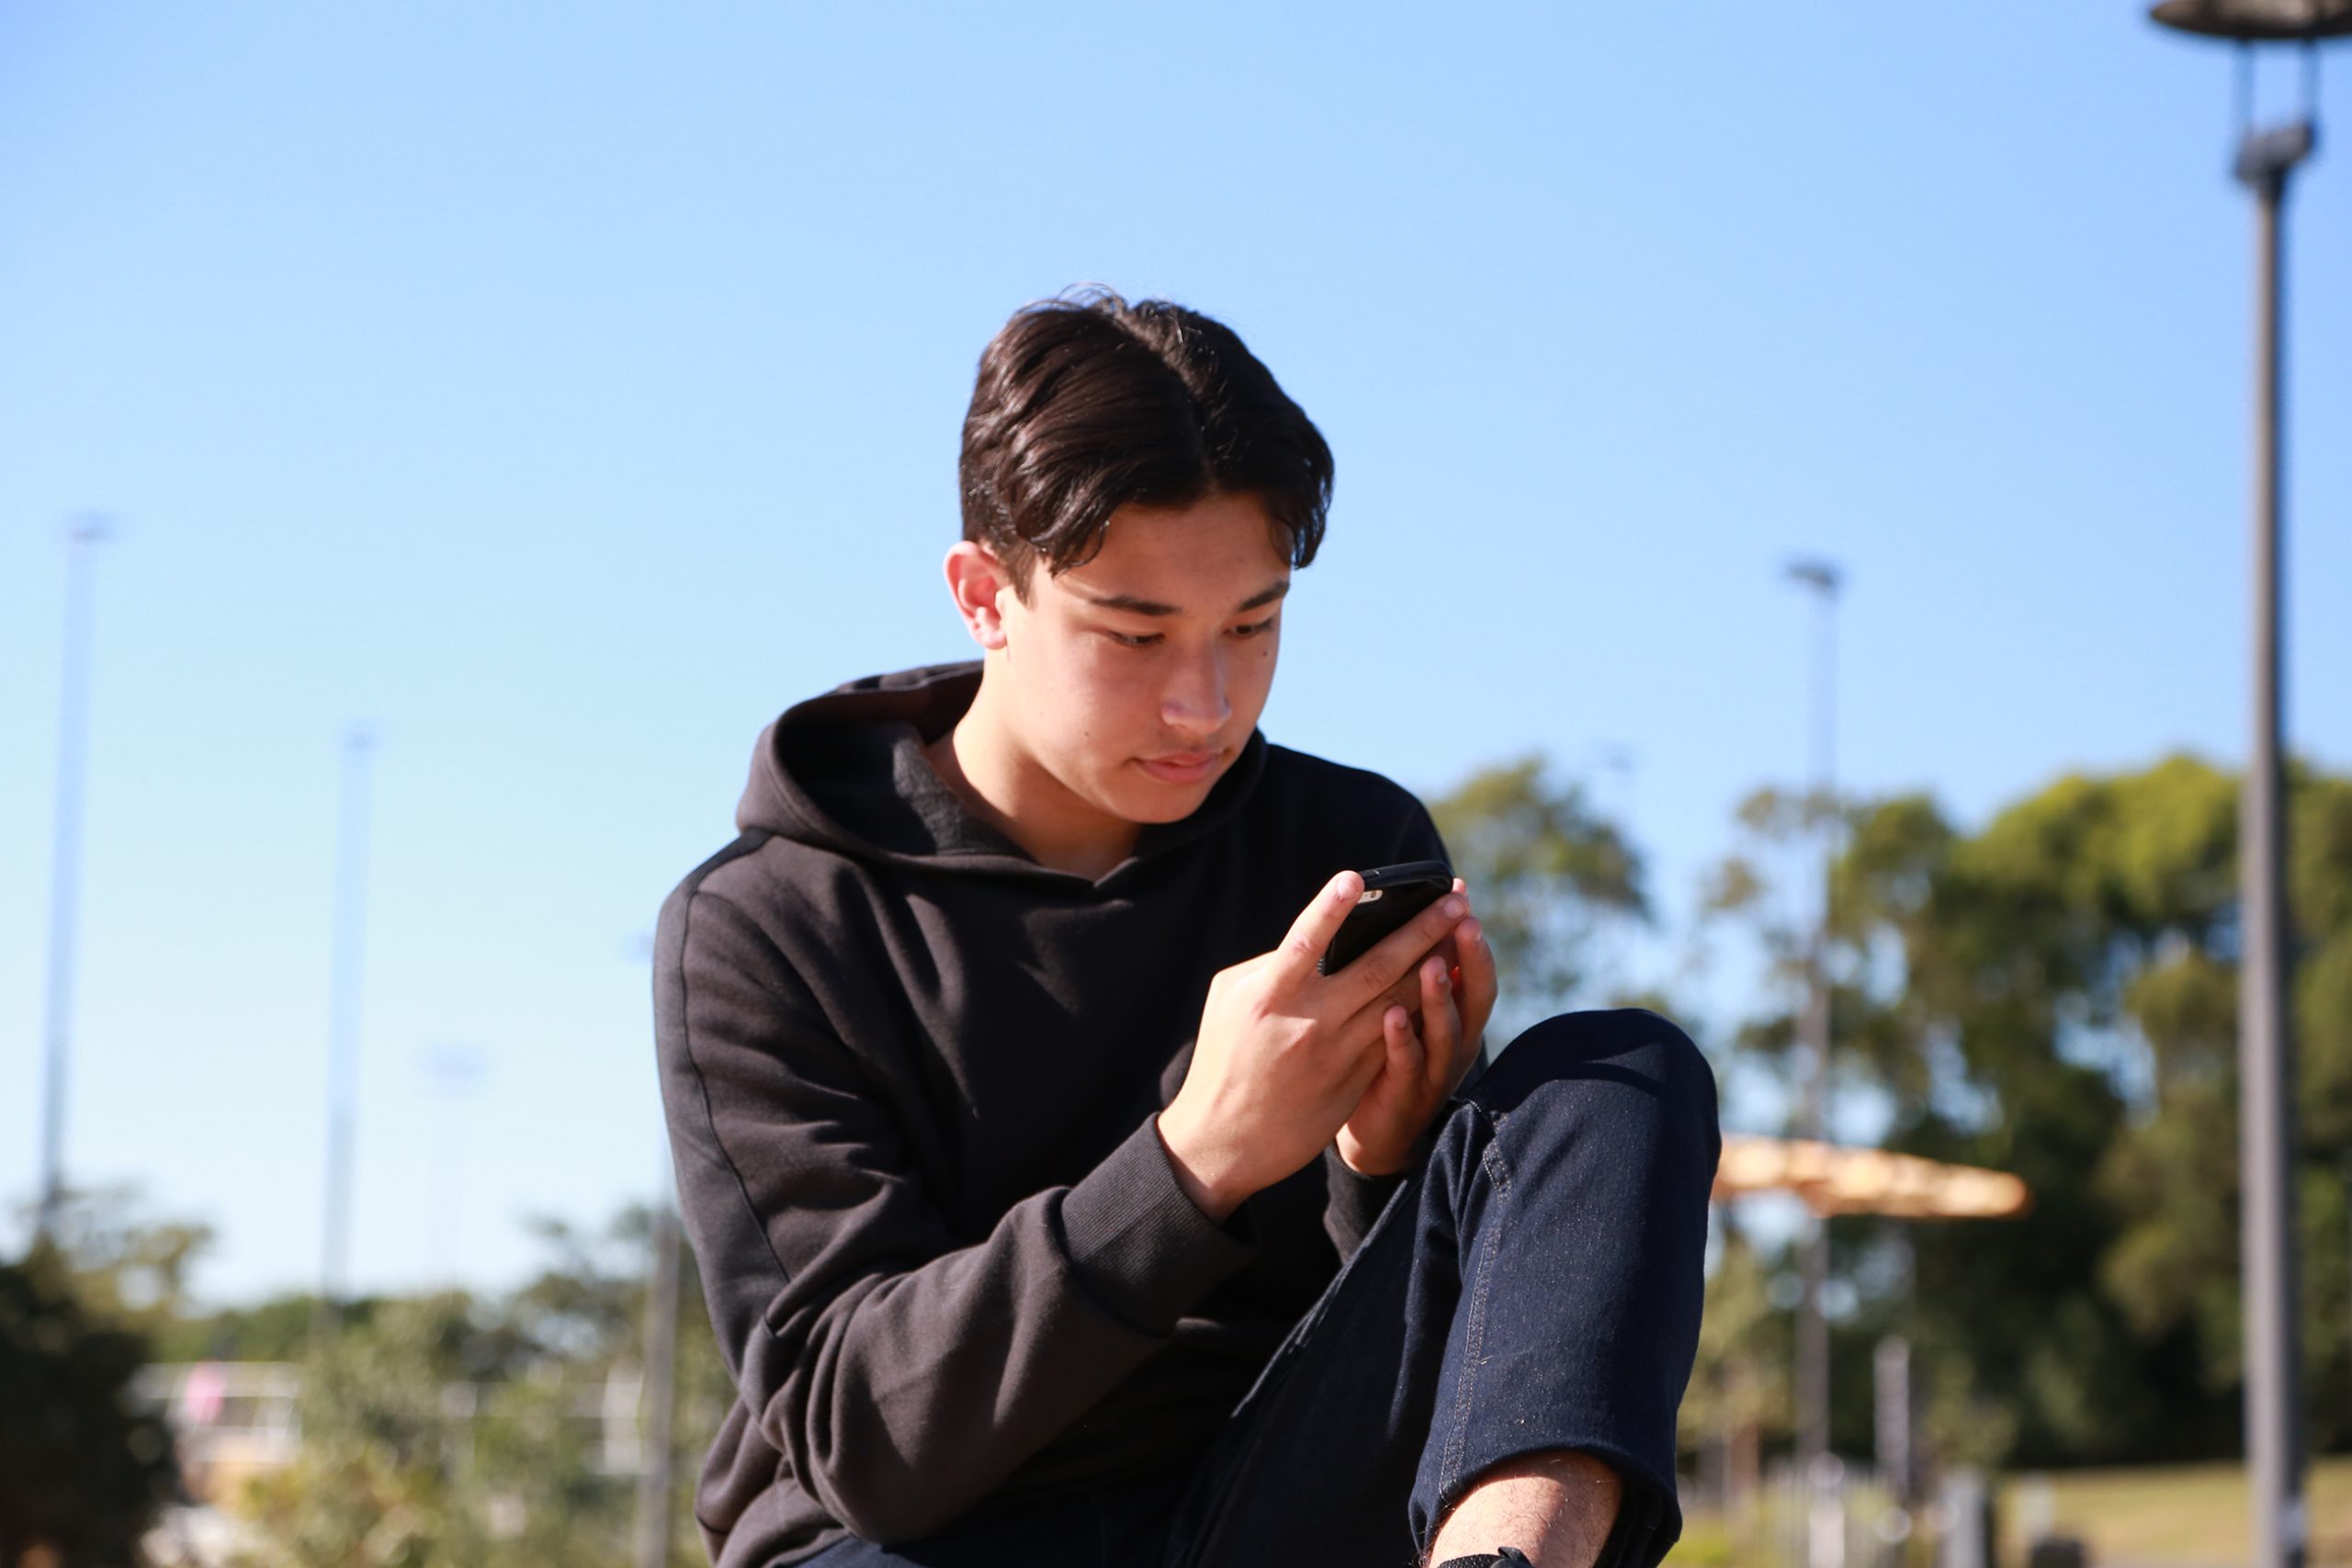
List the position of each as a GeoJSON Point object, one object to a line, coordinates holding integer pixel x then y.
{"type": "Point", "coordinates": [566, 389]}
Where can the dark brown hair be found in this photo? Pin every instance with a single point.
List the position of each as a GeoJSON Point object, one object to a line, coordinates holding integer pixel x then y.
{"type": "Point", "coordinates": [1086, 403]}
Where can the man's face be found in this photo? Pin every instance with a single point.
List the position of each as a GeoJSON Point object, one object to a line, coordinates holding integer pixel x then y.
{"type": "Point", "coordinates": [1135, 678]}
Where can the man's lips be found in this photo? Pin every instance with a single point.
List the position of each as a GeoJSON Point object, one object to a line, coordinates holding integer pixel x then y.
{"type": "Point", "coordinates": [1181, 767]}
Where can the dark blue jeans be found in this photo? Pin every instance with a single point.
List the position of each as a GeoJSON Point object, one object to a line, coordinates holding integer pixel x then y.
{"type": "Point", "coordinates": [1535, 1284]}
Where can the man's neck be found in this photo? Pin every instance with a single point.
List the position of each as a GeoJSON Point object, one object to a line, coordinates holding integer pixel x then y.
{"type": "Point", "coordinates": [1006, 789]}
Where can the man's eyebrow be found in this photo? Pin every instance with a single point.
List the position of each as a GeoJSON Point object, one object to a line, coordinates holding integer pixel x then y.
{"type": "Point", "coordinates": [1133, 605]}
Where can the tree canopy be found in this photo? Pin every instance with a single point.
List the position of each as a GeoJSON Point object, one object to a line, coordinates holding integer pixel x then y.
{"type": "Point", "coordinates": [82, 1474]}
{"type": "Point", "coordinates": [2055, 995]}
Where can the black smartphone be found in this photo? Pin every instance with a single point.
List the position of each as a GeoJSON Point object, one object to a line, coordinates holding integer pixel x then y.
{"type": "Point", "coordinates": [1392, 896]}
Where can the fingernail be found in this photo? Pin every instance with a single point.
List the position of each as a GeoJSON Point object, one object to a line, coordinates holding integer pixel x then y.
{"type": "Point", "coordinates": [1454, 908]}
{"type": "Point", "coordinates": [1474, 930]}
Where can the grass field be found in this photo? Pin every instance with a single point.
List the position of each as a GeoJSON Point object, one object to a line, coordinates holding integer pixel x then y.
{"type": "Point", "coordinates": [2191, 1516]}
{"type": "Point", "coordinates": [2184, 1517]}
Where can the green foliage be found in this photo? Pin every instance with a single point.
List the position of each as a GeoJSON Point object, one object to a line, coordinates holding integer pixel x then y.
{"type": "Point", "coordinates": [2056, 996]}
{"type": "Point", "coordinates": [446, 1430]}
{"type": "Point", "coordinates": [1741, 1380]}
{"type": "Point", "coordinates": [80, 1475]}
{"type": "Point", "coordinates": [1546, 870]}
{"type": "Point", "coordinates": [435, 1434]}
{"type": "Point", "coordinates": [277, 1329]}
{"type": "Point", "coordinates": [123, 1263]}
{"type": "Point", "coordinates": [377, 1478]}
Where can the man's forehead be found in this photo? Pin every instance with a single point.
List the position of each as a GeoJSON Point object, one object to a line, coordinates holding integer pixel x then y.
{"type": "Point", "coordinates": [1155, 599]}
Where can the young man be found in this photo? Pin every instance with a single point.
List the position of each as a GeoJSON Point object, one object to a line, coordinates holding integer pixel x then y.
{"type": "Point", "coordinates": [1021, 1142]}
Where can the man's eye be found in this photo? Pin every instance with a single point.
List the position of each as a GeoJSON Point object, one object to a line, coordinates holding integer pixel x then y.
{"type": "Point", "coordinates": [1124, 640]}
{"type": "Point", "coordinates": [1258, 628]}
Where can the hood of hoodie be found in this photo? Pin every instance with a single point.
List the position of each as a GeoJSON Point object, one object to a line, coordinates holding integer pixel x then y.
{"type": "Point", "coordinates": [847, 772]}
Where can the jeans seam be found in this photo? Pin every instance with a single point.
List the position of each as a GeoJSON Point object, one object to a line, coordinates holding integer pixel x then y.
{"type": "Point", "coordinates": [1475, 1338]}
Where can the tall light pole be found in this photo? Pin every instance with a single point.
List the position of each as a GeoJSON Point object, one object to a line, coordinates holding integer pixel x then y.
{"type": "Point", "coordinates": [65, 868]}
{"type": "Point", "coordinates": [661, 1385]}
{"type": "Point", "coordinates": [2266, 158]}
{"type": "Point", "coordinates": [343, 1025]}
{"type": "Point", "coordinates": [1822, 579]}
{"type": "Point", "coordinates": [454, 1068]}
{"type": "Point", "coordinates": [652, 1525]}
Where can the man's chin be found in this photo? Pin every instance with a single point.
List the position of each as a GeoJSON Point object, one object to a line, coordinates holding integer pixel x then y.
{"type": "Point", "coordinates": [1150, 799]}
{"type": "Point", "coordinates": [1143, 813]}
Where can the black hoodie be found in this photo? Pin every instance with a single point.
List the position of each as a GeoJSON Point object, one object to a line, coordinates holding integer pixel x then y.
{"type": "Point", "coordinates": [910, 1074]}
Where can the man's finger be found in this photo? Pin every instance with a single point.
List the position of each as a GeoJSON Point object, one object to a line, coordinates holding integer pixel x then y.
{"type": "Point", "coordinates": [1316, 924]}
{"type": "Point", "coordinates": [1480, 985]}
{"type": "Point", "coordinates": [1408, 1050]}
{"type": "Point", "coordinates": [1440, 1025]}
{"type": "Point", "coordinates": [1397, 953]}
{"type": "Point", "coordinates": [1371, 1061]}
{"type": "Point", "coordinates": [1371, 1019]}
{"type": "Point", "coordinates": [1447, 945]}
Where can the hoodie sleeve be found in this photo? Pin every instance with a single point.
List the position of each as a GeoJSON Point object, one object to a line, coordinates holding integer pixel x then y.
{"type": "Point", "coordinates": [1356, 1201]}
{"type": "Point", "coordinates": [900, 1375]}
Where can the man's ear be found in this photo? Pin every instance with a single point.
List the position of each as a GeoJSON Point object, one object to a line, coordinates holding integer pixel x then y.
{"type": "Point", "coordinates": [977, 581]}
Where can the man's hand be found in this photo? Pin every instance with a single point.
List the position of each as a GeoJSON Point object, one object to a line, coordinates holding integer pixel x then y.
{"type": "Point", "coordinates": [1425, 1060]}
{"type": "Point", "coordinates": [1284, 1054]}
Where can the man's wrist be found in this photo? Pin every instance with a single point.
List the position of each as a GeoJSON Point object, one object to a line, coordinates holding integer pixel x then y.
{"type": "Point", "coordinates": [1214, 1194]}
{"type": "Point", "coordinates": [1364, 1163]}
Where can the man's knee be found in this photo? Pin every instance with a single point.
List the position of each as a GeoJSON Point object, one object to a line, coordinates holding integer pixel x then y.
{"type": "Point", "coordinates": [1632, 1046]}
{"type": "Point", "coordinates": [1628, 1070]}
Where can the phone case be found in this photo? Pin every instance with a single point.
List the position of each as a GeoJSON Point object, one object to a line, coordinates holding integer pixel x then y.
{"type": "Point", "coordinates": [1392, 896]}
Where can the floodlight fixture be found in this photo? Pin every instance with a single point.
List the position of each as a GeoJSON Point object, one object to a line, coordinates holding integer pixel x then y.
{"type": "Point", "coordinates": [2258, 21]}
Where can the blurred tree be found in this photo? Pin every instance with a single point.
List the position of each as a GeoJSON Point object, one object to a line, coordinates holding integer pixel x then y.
{"type": "Point", "coordinates": [589, 1306]}
{"type": "Point", "coordinates": [446, 1430]}
{"type": "Point", "coordinates": [123, 1262]}
{"type": "Point", "coordinates": [81, 1476]}
{"type": "Point", "coordinates": [278, 1328]}
{"type": "Point", "coordinates": [1547, 871]}
{"type": "Point", "coordinates": [1738, 1400]}
{"type": "Point", "coordinates": [2055, 996]}
{"type": "Point", "coordinates": [383, 1440]}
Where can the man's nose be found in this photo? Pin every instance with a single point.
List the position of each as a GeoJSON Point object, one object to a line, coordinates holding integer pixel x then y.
{"type": "Point", "coordinates": [1196, 702]}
